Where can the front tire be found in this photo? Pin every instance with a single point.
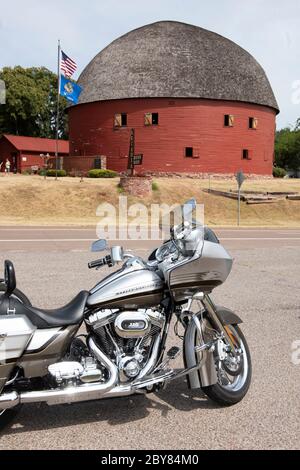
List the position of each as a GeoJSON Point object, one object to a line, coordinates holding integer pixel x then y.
{"type": "Point", "coordinates": [231, 389]}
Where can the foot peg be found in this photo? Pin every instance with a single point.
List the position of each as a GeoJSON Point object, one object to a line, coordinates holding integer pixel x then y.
{"type": "Point", "coordinates": [173, 353]}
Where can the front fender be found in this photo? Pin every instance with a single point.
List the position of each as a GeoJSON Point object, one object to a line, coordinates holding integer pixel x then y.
{"type": "Point", "coordinates": [227, 316]}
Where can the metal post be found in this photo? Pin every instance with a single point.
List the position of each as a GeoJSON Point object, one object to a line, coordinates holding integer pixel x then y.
{"type": "Point", "coordinates": [57, 109]}
{"type": "Point", "coordinates": [131, 153]}
{"type": "Point", "coordinates": [239, 206]}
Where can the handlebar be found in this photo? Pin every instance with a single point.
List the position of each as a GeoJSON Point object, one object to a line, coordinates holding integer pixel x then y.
{"type": "Point", "coordinates": [98, 263]}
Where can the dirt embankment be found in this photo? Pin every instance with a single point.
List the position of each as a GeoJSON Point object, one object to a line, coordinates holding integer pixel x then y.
{"type": "Point", "coordinates": [30, 200]}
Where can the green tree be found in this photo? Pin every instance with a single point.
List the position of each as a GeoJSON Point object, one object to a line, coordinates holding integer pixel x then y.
{"type": "Point", "coordinates": [287, 148]}
{"type": "Point", "coordinates": [30, 109]}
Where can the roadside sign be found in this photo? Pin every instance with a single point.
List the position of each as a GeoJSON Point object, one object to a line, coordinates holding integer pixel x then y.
{"type": "Point", "coordinates": [138, 159]}
{"type": "Point", "coordinates": [240, 178]}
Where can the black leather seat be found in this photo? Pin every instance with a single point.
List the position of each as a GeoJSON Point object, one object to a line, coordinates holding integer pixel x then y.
{"type": "Point", "coordinates": [70, 314]}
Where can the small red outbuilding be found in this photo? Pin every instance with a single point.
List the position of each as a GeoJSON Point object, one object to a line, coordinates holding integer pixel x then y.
{"type": "Point", "coordinates": [24, 153]}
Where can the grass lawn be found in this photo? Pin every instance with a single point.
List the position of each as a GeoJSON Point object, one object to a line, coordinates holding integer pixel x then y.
{"type": "Point", "coordinates": [30, 200]}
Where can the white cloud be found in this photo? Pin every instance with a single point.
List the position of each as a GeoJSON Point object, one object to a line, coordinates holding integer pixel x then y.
{"type": "Point", "coordinates": [267, 29]}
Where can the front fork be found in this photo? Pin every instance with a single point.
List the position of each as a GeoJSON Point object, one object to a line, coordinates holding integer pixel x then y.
{"type": "Point", "coordinates": [214, 317]}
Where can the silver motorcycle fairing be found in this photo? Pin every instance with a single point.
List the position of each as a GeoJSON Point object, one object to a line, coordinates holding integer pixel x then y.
{"type": "Point", "coordinates": [208, 268]}
{"type": "Point", "coordinates": [133, 286]}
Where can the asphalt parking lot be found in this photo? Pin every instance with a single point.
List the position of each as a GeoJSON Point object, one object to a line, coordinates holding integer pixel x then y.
{"type": "Point", "coordinates": [263, 289]}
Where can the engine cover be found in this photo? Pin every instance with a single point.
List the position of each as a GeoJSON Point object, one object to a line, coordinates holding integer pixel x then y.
{"type": "Point", "coordinates": [133, 324]}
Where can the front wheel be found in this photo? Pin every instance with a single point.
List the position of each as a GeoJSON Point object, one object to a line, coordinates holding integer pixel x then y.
{"type": "Point", "coordinates": [234, 373]}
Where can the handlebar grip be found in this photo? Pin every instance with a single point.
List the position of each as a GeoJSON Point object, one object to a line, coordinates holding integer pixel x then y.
{"type": "Point", "coordinates": [101, 262]}
{"type": "Point", "coordinates": [97, 264]}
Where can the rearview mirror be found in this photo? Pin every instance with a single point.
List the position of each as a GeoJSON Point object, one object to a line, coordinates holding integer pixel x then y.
{"type": "Point", "coordinates": [99, 245]}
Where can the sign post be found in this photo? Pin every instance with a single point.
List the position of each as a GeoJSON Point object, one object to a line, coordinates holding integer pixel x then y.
{"type": "Point", "coordinates": [133, 160]}
{"type": "Point", "coordinates": [131, 153]}
{"type": "Point", "coordinates": [240, 178]}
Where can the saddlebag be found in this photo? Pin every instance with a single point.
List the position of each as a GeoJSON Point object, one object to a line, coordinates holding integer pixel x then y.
{"type": "Point", "coordinates": [15, 333]}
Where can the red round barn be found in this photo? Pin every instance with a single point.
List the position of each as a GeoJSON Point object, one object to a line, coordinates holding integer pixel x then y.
{"type": "Point", "coordinates": [198, 102]}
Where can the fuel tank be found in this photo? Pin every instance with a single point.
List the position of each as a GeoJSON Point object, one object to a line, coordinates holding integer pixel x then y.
{"type": "Point", "coordinates": [133, 286]}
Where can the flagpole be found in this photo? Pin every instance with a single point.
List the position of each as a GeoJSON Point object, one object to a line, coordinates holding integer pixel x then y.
{"type": "Point", "coordinates": [57, 109]}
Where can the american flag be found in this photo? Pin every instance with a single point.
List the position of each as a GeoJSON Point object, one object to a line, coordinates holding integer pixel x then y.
{"type": "Point", "coordinates": [68, 66]}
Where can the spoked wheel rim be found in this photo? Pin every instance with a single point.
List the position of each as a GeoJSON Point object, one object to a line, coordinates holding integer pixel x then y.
{"type": "Point", "coordinates": [236, 381]}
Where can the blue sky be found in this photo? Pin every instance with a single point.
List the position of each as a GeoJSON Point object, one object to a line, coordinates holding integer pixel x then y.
{"type": "Point", "coordinates": [269, 30]}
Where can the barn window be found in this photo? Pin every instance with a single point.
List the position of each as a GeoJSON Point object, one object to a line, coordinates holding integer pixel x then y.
{"type": "Point", "coordinates": [151, 119]}
{"type": "Point", "coordinates": [189, 152]}
{"type": "Point", "coordinates": [253, 123]}
{"type": "Point", "coordinates": [246, 154]}
{"type": "Point", "coordinates": [228, 120]}
{"type": "Point", "coordinates": [120, 120]}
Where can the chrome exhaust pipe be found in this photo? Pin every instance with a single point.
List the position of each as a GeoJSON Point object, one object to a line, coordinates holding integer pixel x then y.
{"type": "Point", "coordinates": [85, 392]}
{"type": "Point", "coordinates": [9, 400]}
{"type": "Point", "coordinates": [91, 391]}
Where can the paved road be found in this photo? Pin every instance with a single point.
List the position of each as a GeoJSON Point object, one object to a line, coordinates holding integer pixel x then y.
{"type": "Point", "coordinates": [79, 239]}
{"type": "Point", "coordinates": [263, 288]}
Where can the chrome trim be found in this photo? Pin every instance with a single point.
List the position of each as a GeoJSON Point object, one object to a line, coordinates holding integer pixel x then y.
{"type": "Point", "coordinates": [151, 363]}
{"type": "Point", "coordinates": [69, 394]}
{"type": "Point", "coordinates": [9, 400]}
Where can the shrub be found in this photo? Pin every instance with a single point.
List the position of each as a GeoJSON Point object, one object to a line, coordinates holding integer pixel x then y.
{"type": "Point", "coordinates": [155, 186]}
{"type": "Point", "coordinates": [279, 172]}
{"type": "Point", "coordinates": [60, 173]}
{"type": "Point", "coordinates": [102, 174]}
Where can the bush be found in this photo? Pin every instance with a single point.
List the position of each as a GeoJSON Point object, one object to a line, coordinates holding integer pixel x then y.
{"type": "Point", "coordinates": [102, 174]}
{"type": "Point", "coordinates": [60, 173]}
{"type": "Point", "coordinates": [155, 186]}
{"type": "Point", "coordinates": [279, 172]}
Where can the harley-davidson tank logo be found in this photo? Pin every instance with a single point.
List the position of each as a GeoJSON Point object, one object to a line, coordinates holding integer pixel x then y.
{"type": "Point", "coordinates": [142, 288]}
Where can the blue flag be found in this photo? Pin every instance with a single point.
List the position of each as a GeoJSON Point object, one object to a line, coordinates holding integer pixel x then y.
{"type": "Point", "coordinates": [69, 89]}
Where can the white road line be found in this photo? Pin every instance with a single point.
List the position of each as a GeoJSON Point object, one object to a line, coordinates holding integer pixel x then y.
{"type": "Point", "coordinates": [89, 229]}
{"type": "Point", "coordinates": [261, 238]}
{"type": "Point", "coordinates": [48, 240]}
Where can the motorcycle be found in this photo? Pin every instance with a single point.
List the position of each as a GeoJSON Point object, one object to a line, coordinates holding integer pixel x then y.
{"type": "Point", "coordinates": [127, 315]}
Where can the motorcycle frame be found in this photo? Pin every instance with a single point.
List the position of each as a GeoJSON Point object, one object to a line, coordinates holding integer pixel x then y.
{"type": "Point", "coordinates": [200, 373]}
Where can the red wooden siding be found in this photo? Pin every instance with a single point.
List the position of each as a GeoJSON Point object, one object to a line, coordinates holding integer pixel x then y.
{"type": "Point", "coordinates": [183, 123]}
{"type": "Point", "coordinates": [27, 151]}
